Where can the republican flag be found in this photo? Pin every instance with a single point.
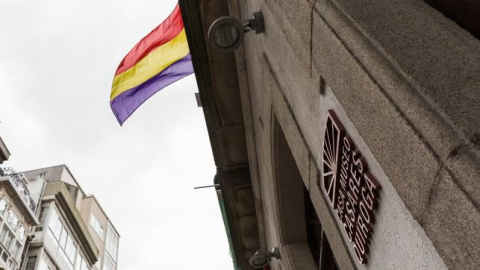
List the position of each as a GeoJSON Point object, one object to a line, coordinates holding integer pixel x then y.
{"type": "Point", "coordinates": [159, 59]}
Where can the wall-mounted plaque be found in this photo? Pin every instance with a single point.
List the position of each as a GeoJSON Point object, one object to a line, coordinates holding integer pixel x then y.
{"type": "Point", "coordinates": [349, 187]}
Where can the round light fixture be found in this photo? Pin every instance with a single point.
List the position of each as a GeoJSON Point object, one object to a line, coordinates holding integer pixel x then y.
{"type": "Point", "coordinates": [260, 260]}
{"type": "Point", "coordinates": [227, 33]}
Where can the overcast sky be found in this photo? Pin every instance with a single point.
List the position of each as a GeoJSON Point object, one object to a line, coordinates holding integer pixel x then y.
{"type": "Point", "coordinates": [57, 61]}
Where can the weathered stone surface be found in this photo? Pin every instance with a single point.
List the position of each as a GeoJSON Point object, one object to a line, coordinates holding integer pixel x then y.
{"type": "Point", "coordinates": [227, 96]}
{"type": "Point", "coordinates": [391, 138]}
{"type": "Point", "coordinates": [465, 166]}
{"type": "Point", "coordinates": [249, 231]}
{"type": "Point", "coordinates": [294, 80]}
{"type": "Point", "coordinates": [294, 138]}
{"type": "Point", "coordinates": [294, 20]}
{"type": "Point", "coordinates": [453, 222]}
{"type": "Point", "coordinates": [440, 59]}
{"type": "Point", "coordinates": [233, 139]}
{"type": "Point", "coordinates": [394, 80]}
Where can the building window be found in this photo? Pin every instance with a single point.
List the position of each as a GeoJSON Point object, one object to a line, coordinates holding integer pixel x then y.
{"type": "Point", "coordinates": [78, 263]}
{"type": "Point", "coordinates": [112, 243]}
{"type": "Point", "coordinates": [15, 249]}
{"type": "Point", "coordinates": [70, 249]}
{"type": "Point", "coordinates": [3, 233]}
{"type": "Point", "coordinates": [42, 265]}
{"type": "Point", "coordinates": [327, 259]}
{"type": "Point", "coordinates": [55, 225]}
{"type": "Point", "coordinates": [21, 233]}
{"type": "Point", "coordinates": [65, 258]}
{"type": "Point", "coordinates": [63, 238]}
{"type": "Point", "coordinates": [314, 227]}
{"type": "Point", "coordinates": [108, 264]}
{"type": "Point", "coordinates": [2, 252]}
{"type": "Point", "coordinates": [8, 240]}
{"type": "Point", "coordinates": [11, 266]}
{"type": "Point", "coordinates": [65, 245]}
{"type": "Point", "coordinates": [3, 206]}
{"type": "Point", "coordinates": [31, 263]}
{"type": "Point", "coordinates": [43, 212]}
{"type": "Point", "coordinates": [81, 264]}
{"type": "Point", "coordinates": [41, 218]}
{"type": "Point", "coordinates": [96, 226]}
{"type": "Point", "coordinates": [317, 240]}
{"type": "Point", "coordinates": [6, 237]}
{"type": "Point", "coordinates": [12, 220]}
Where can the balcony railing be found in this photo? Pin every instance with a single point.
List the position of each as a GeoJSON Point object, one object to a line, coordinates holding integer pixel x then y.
{"type": "Point", "coordinates": [20, 186]}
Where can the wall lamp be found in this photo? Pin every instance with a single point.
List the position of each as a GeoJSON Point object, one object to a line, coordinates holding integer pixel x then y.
{"type": "Point", "coordinates": [260, 260]}
{"type": "Point", "coordinates": [227, 33]}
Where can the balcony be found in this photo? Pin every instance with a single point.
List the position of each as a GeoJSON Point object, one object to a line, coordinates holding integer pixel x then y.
{"type": "Point", "coordinates": [16, 185]}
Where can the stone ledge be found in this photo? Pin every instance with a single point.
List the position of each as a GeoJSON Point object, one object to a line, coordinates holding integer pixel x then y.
{"type": "Point", "coordinates": [396, 145]}
{"type": "Point", "coordinates": [294, 20]}
{"type": "Point", "coordinates": [452, 222]}
{"type": "Point", "coordinates": [464, 165]}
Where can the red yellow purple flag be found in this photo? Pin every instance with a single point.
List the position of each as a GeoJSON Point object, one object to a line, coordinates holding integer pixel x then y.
{"type": "Point", "coordinates": [159, 59]}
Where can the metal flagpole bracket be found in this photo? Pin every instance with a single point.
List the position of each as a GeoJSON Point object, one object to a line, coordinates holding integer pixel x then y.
{"type": "Point", "coordinates": [255, 23]}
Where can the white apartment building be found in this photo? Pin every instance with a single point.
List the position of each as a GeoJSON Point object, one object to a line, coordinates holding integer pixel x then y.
{"type": "Point", "coordinates": [47, 222]}
{"type": "Point", "coordinates": [74, 232]}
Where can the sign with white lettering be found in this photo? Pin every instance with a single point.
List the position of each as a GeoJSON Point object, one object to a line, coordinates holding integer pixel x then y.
{"type": "Point", "coordinates": [351, 190]}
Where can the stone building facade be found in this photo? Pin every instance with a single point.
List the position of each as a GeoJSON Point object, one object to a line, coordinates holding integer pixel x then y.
{"type": "Point", "coordinates": [346, 135]}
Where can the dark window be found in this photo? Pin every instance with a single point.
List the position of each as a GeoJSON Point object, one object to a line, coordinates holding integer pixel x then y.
{"type": "Point", "coordinates": [327, 260]}
{"type": "Point", "coordinates": [43, 212]}
{"type": "Point", "coordinates": [314, 228]}
{"type": "Point", "coordinates": [317, 240]}
{"type": "Point", "coordinates": [41, 218]}
{"type": "Point", "coordinates": [31, 263]}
